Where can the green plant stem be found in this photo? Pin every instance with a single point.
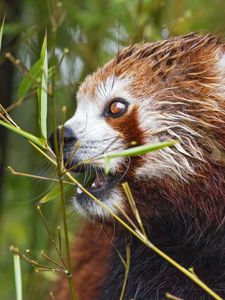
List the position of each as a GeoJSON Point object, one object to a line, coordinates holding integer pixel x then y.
{"type": "Point", "coordinates": [51, 237]}
{"type": "Point", "coordinates": [13, 172]}
{"type": "Point", "coordinates": [18, 277]}
{"type": "Point", "coordinates": [127, 270]}
{"type": "Point", "coordinates": [188, 273]}
{"type": "Point", "coordinates": [65, 227]}
{"type": "Point", "coordinates": [59, 159]}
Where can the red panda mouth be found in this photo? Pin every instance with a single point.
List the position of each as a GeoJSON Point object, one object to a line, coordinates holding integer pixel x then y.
{"type": "Point", "coordinates": [95, 181]}
{"type": "Point", "coordinates": [98, 183]}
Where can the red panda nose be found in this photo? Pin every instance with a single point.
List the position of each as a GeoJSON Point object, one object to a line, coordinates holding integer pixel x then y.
{"type": "Point", "coordinates": [69, 137]}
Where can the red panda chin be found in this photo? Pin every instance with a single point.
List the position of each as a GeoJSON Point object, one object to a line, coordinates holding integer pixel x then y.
{"type": "Point", "coordinates": [99, 187]}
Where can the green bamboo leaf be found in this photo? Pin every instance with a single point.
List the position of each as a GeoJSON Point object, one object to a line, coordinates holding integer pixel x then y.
{"type": "Point", "coordinates": [30, 79]}
{"type": "Point", "coordinates": [38, 141]}
{"type": "Point", "coordinates": [43, 90]}
{"type": "Point", "coordinates": [140, 150]}
{"type": "Point", "coordinates": [107, 165]}
{"type": "Point", "coordinates": [54, 193]}
{"type": "Point", "coordinates": [18, 277]}
{"type": "Point", "coordinates": [1, 32]}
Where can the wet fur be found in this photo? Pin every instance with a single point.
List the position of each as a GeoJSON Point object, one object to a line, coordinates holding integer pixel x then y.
{"type": "Point", "coordinates": [180, 192]}
{"type": "Point", "coordinates": [151, 277]}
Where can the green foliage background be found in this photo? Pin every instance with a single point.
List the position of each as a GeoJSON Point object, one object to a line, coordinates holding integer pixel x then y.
{"type": "Point", "coordinates": [92, 31]}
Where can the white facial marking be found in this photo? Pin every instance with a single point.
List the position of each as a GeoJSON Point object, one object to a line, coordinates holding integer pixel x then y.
{"type": "Point", "coordinates": [172, 162]}
{"type": "Point", "coordinates": [96, 137]}
{"type": "Point", "coordinates": [221, 63]}
{"type": "Point", "coordinates": [113, 200]}
{"type": "Point", "coordinates": [114, 87]}
{"type": "Point", "coordinates": [94, 134]}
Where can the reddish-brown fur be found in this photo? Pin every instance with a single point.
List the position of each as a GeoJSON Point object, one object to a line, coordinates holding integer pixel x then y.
{"type": "Point", "coordinates": [131, 133]}
{"type": "Point", "coordinates": [89, 257]}
{"type": "Point", "coordinates": [182, 75]}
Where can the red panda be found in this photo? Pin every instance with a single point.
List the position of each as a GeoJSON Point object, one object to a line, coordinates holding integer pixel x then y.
{"type": "Point", "coordinates": [152, 92]}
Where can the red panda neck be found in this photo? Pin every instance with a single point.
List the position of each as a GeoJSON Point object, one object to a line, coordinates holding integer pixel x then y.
{"type": "Point", "coordinates": [203, 197]}
{"type": "Point", "coordinates": [150, 275]}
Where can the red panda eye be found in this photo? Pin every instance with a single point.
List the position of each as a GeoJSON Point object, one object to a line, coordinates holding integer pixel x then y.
{"type": "Point", "coordinates": [117, 108]}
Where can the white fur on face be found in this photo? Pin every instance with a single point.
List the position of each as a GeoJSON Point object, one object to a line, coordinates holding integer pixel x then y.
{"type": "Point", "coordinates": [113, 200]}
{"type": "Point", "coordinates": [175, 162]}
{"type": "Point", "coordinates": [221, 63]}
{"type": "Point", "coordinates": [114, 87]}
{"type": "Point", "coordinates": [94, 134]}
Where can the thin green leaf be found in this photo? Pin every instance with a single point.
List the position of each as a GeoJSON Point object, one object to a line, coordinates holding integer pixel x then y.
{"type": "Point", "coordinates": [140, 150]}
{"type": "Point", "coordinates": [107, 165]}
{"type": "Point", "coordinates": [53, 193]}
{"type": "Point", "coordinates": [18, 277]}
{"type": "Point", "coordinates": [42, 90]}
{"type": "Point", "coordinates": [38, 141]}
{"type": "Point", "coordinates": [30, 79]}
{"type": "Point", "coordinates": [1, 32]}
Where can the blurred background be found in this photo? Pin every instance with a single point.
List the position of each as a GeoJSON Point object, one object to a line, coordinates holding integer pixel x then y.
{"type": "Point", "coordinates": [87, 33]}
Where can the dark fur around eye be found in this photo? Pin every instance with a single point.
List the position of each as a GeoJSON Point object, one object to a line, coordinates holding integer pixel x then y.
{"type": "Point", "coordinates": [108, 112]}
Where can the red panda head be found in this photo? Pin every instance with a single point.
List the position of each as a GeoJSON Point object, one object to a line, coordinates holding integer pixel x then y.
{"type": "Point", "coordinates": [151, 92]}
